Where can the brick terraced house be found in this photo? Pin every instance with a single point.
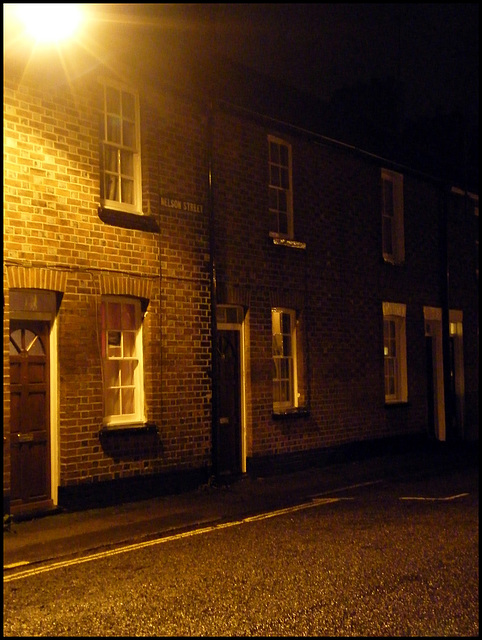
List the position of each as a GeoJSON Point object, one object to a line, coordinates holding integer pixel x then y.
{"type": "Point", "coordinates": [194, 286]}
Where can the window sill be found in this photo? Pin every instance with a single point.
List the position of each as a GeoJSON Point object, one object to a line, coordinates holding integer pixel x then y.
{"type": "Point", "coordinates": [396, 403]}
{"type": "Point", "coordinates": [393, 261]}
{"type": "Point", "coordinates": [298, 412]}
{"type": "Point", "coordinates": [286, 242]}
{"type": "Point", "coordinates": [144, 427]}
{"type": "Point", "coordinates": [128, 220]}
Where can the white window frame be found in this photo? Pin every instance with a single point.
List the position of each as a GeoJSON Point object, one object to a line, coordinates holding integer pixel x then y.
{"type": "Point", "coordinates": [124, 150]}
{"type": "Point", "coordinates": [280, 181]}
{"type": "Point", "coordinates": [395, 352]}
{"type": "Point", "coordinates": [393, 236]}
{"type": "Point", "coordinates": [126, 350]}
{"type": "Point", "coordinates": [284, 357]}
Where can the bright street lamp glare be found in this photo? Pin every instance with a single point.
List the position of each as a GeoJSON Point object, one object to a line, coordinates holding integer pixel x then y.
{"type": "Point", "coordinates": [49, 23]}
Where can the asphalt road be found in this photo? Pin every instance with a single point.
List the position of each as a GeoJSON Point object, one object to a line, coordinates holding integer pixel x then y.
{"type": "Point", "coordinates": [394, 558]}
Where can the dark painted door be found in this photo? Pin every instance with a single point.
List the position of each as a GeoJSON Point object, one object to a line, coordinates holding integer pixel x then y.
{"type": "Point", "coordinates": [430, 387]}
{"type": "Point", "coordinates": [453, 427]}
{"type": "Point", "coordinates": [229, 402]}
{"type": "Point", "coordinates": [29, 414]}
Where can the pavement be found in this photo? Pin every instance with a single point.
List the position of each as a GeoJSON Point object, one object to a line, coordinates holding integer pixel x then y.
{"type": "Point", "coordinates": [68, 534]}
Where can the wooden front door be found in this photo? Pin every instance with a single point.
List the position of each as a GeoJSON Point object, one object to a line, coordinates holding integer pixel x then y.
{"type": "Point", "coordinates": [29, 415]}
{"type": "Point", "coordinates": [229, 402]}
{"type": "Point", "coordinates": [430, 387]}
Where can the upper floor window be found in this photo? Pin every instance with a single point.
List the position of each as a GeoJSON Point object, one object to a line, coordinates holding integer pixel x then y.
{"type": "Point", "coordinates": [395, 352]}
{"type": "Point", "coordinates": [121, 343]}
{"type": "Point", "coordinates": [280, 188]}
{"type": "Point", "coordinates": [120, 149]}
{"type": "Point", "coordinates": [393, 242]}
{"type": "Point", "coordinates": [285, 387]}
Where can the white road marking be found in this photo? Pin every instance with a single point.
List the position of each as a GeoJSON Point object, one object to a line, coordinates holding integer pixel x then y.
{"type": "Point", "coordinates": [351, 486]}
{"type": "Point", "coordinates": [423, 498]}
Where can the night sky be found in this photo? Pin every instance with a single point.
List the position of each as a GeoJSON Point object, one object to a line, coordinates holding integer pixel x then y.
{"type": "Point", "coordinates": [430, 50]}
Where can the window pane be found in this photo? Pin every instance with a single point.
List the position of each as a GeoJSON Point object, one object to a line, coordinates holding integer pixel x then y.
{"type": "Point", "coordinates": [15, 343]}
{"type": "Point", "coordinates": [287, 345]}
{"type": "Point", "coordinates": [129, 134]}
{"type": "Point", "coordinates": [285, 368]}
{"type": "Point", "coordinates": [112, 402]}
{"type": "Point", "coordinates": [282, 201]}
{"type": "Point", "coordinates": [284, 156]}
{"type": "Point", "coordinates": [128, 401]}
{"type": "Point", "coordinates": [274, 152]}
{"type": "Point", "coordinates": [114, 344]}
{"type": "Point", "coordinates": [128, 191]}
{"type": "Point", "coordinates": [113, 129]}
{"type": "Point", "coordinates": [110, 158]}
{"type": "Point", "coordinates": [112, 368]}
{"type": "Point", "coordinates": [36, 348]}
{"type": "Point", "coordinates": [128, 106]}
{"type": "Point", "coordinates": [283, 223]}
{"type": "Point", "coordinates": [286, 318]}
{"type": "Point", "coordinates": [113, 315]}
{"type": "Point", "coordinates": [273, 198]}
{"type": "Point", "coordinates": [128, 316]}
{"type": "Point", "coordinates": [285, 391]}
{"type": "Point", "coordinates": [112, 100]}
{"type": "Point", "coordinates": [277, 345]}
{"type": "Point", "coordinates": [127, 369]}
{"type": "Point", "coordinates": [129, 344]}
{"type": "Point", "coordinates": [274, 176]}
{"type": "Point", "coordinates": [285, 179]}
{"type": "Point", "coordinates": [127, 164]}
{"type": "Point", "coordinates": [111, 187]}
{"type": "Point", "coordinates": [388, 198]}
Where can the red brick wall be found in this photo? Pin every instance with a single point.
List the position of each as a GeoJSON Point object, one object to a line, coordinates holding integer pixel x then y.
{"type": "Point", "coordinates": [340, 278]}
{"type": "Point", "coordinates": [51, 221]}
{"type": "Point", "coordinates": [337, 283]}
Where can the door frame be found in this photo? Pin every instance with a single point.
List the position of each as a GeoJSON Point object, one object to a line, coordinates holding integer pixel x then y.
{"type": "Point", "coordinates": [433, 328]}
{"type": "Point", "coordinates": [238, 325]}
{"type": "Point", "coordinates": [456, 336]}
{"type": "Point", "coordinates": [41, 305]}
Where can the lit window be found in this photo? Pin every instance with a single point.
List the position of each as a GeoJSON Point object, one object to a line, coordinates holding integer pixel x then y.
{"type": "Point", "coordinates": [392, 217]}
{"type": "Point", "coordinates": [120, 150]}
{"type": "Point", "coordinates": [121, 338]}
{"type": "Point", "coordinates": [285, 392]}
{"type": "Point", "coordinates": [394, 352]}
{"type": "Point", "coordinates": [280, 190]}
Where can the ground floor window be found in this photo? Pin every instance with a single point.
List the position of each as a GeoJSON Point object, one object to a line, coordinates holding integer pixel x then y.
{"type": "Point", "coordinates": [121, 345]}
{"type": "Point", "coordinates": [285, 392]}
{"type": "Point", "coordinates": [394, 352]}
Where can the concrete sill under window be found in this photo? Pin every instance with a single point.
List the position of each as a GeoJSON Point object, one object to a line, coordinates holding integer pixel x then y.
{"type": "Point", "coordinates": [291, 413]}
{"type": "Point", "coordinates": [143, 427]}
{"type": "Point", "coordinates": [128, 220]}
{"type": "Point", "coordinates": [286, 242]}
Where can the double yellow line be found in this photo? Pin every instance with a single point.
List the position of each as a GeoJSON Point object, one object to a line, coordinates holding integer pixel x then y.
{"type": "Point", "coordinates": [26, 573]}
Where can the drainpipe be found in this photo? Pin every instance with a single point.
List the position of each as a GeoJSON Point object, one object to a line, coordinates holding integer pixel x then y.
{"type": "Point", "coordinates": [445, 312]}
{"type": "Point", "coordinates": [212, 271]}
